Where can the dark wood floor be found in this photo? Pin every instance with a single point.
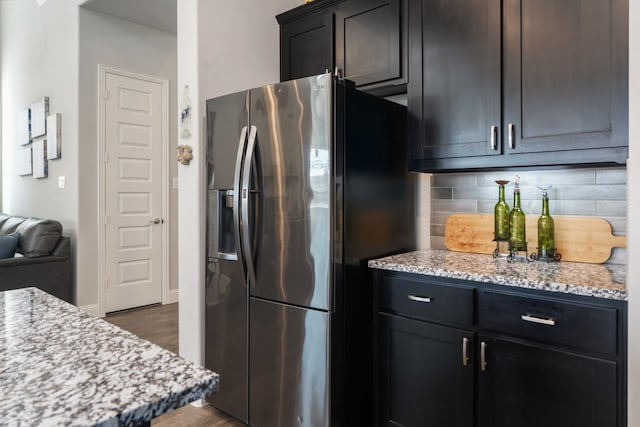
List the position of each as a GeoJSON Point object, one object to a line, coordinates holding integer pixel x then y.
{"type": "Point", "coordinates": [159, 324]}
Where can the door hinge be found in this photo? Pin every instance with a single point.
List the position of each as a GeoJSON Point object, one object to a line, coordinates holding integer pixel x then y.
{"type": "Point", "coordinates": [106, 94]}
{"type": "Point", "coordinates": [105, 282]}
{"type": "Point", "coordinates": [106, 219]}
{"type": "Point", "coordinates": [106, 157]}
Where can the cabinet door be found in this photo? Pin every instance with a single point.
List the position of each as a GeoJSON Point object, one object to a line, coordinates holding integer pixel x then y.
{"type": "Point", "coordinates": [371, 44]}
{"type": "Point", "coordinates": [306, 46]}
{"type": "Point", "coordinates": [565, 80]}
{"type": "Point", "coordinates": [459, 110]}
{"type": "Point", "coordinates": [527, 386]}
{"type": "Point", "coordinates": [424, 380]}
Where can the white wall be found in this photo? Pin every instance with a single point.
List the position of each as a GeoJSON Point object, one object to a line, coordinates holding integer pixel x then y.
{"type": "Point", "coordinates": [239, 45]}
{"type": "Point", "coordinates": [223, 47]}
{"type": "Point", "coordinates": [1, 119]}
{"type": "Point", "coordinates": [633, 215]}
{"type": "Point", "coordinates": [130, 47]}
{"type": "Point", "coordinates": [190, 266]}
{"type": "Point", "coordinates": [39, 48]}
{"type": "Point", "coordinates": [54, 51]}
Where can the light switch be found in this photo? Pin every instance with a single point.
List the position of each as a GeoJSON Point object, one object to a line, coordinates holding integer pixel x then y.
{"type": "Point", "coordinates": [62, 182]}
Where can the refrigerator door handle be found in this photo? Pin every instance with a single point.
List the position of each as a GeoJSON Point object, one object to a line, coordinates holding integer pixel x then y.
{"type": "Point", "coordinates": [246, 179]}
{"type": "Point", "coordinates": [236, 194]}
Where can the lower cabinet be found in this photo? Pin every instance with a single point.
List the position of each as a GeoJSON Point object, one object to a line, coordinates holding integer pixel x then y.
{"type": "Point", "coordinates": [426, 374]}
{"type": "Point", "coordinates": [455, 353]}
{"type": "Point", "coordinates": [527, 386]}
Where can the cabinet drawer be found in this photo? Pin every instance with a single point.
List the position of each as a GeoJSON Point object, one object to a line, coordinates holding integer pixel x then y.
{"type": "Point", "coordinates": [428, 301]}
{"type": "Point", "coordinates": [574, 326]}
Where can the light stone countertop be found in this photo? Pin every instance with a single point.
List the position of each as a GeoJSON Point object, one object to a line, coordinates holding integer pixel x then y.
{"type": "Point", "coordinates": [60, 366]}
{"type": "Point", "coordinates": [596, 280]}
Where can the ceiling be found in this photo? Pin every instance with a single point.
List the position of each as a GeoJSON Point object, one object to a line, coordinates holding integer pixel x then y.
{"type": "Point", "coordinates": [158, 14]}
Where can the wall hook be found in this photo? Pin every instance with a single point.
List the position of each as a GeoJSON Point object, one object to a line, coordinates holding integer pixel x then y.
{"type": "Point", "coordinates": [185, 154]}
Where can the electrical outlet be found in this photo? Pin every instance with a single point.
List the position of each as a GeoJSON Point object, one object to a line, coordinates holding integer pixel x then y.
{"type": "Point", "coordinates": [62, 182]}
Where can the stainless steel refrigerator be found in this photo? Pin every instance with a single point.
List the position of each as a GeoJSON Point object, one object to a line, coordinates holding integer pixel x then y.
{"type": "Point", "coordinates": [306, 181]}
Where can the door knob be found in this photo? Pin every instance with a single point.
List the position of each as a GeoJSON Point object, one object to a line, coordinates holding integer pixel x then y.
{"type": "Point", "coordinates": [157, 221]}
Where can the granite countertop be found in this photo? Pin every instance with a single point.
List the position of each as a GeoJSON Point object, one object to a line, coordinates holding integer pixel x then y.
{"type": "Point", "coordinates": [62, 366]}
{"type": "Point", "coordinates": [597, 280]}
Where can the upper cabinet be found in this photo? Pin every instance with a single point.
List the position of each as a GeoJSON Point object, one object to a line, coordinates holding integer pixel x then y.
{"type": "Point", "coordinates": [517, 83]}
{"type": "Point", "coordinates": [371, 48]}
{"type": "Point", "coordinates": [306, 40]}
{"type": "Point", "coordinates": [365, 39]}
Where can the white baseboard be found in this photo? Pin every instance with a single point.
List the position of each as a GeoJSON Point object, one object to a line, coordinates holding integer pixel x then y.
{"type": "Point", "coordinates": [172, 296]}
{"type": "Point", "coordinates": [92, 309]}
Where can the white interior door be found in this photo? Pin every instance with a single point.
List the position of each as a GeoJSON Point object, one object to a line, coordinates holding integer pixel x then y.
{"type": "Point", "coordinates": [133, 191]}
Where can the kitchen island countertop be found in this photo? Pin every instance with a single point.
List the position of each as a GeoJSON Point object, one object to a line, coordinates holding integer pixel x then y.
{"type": "Point", "coordinates": [62, 366]}
{"type": "Point", "coordinates": [596, 280]}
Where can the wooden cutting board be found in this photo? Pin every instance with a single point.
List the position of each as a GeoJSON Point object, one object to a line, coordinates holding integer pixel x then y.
{"type": "Point", "coordinates": [578, 238]}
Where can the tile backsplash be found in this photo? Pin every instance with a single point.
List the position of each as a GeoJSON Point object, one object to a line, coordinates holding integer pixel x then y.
{"type": "Point", "coordinates": [600, 192]}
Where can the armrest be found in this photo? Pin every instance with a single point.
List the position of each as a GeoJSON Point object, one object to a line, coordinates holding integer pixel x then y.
{"type": "Point", "coordinates": [51, 274]}
{"type": "Point", "coordinates": [23, 261]}
{"type": "Point", "coordinates": [63, 248]}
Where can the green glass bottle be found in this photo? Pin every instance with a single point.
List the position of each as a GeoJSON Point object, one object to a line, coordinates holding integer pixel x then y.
{"type": "Point", "coordinates": [546, 230]}
{"type": "Point", "coordinates": [517, 223]}
{"type": "Point", "coordinates": [501, 215]}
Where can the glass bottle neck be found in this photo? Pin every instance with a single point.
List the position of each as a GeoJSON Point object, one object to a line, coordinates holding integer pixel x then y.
{"type": "Point", "coordinates": [501, 193]}
{"type": "Point", "coordinates": [545, 206]}
{"type": "Point", "coordinates": [516, 199]}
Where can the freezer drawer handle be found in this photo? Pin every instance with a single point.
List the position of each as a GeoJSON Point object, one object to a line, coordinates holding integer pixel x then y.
{"type": "Point", "coordinates": [540, 320]}
{"type": "Point", "coordinates": [419, 299]}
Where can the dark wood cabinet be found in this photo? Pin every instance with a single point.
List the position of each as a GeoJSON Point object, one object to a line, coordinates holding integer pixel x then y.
{"type": "Point", "coordinates": [426, 379]}
{"type": "Point", "coordinates": [460, 353]}
{"type": "Point", "coordinates": [517, 83]}
{"type": "Point", "coordinates": [454, 93]}
{"type": "Point", "coordinates": [426, 367]}
{"type": "Point", "coordinates": [525, 385]}
{"type": "Point", "coordinates": [364, 39]}
{"type": "Point", "coordinates": [371, 49]}
{"type": "Point", "coordinates": [543, 360]}
{"type": "Point", "coordinates": [306, 46]}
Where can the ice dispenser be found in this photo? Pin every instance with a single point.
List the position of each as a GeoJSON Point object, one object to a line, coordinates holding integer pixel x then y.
{"type": "Point", "coordinates": [222, 241]}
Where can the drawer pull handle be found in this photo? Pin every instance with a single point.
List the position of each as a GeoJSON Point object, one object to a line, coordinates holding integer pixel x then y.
{"type": "Point", "coordinates": [465, 351]}
{"type": "Point", "coordinates": [483, 356]}
{"type": "Point", "coordinates": [540, 320]}
{"type": "Point", "coordinates": [419, 299]}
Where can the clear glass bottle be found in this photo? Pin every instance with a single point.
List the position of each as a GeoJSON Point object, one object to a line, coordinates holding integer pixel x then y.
{"type": "Point", "coordinates": [546, 230]}
{"type": "Point", "coordinates": [501, 215]}
{"type": "Point", "coordinates": [517, 222]}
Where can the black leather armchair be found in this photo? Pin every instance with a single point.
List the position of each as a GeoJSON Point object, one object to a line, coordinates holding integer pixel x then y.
{"type": "Point", "coordinates": [43, 257]}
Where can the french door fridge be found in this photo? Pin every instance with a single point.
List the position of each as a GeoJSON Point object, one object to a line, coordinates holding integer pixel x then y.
{"type": "Point", "coordinates": [306, 181]}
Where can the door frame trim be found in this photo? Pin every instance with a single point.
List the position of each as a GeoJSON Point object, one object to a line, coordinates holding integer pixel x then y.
{"type": "Point", "coordinates": [103, 70]}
